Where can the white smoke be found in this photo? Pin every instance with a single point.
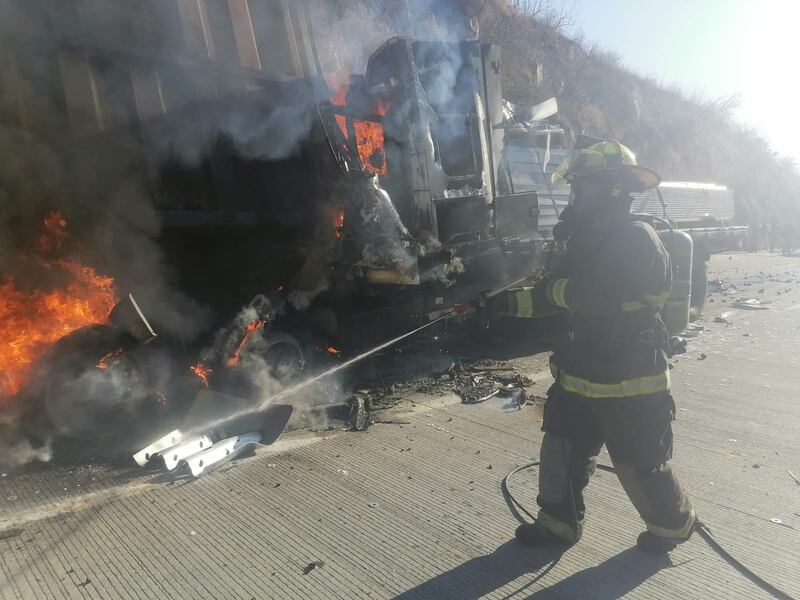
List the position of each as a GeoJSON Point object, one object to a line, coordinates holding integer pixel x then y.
{"type": "Point", "coordinates": [444, 272]}
{"type": "Point", "coordinates": [111, 202]}
{"type": "Point", "coordinates": [15, 453]}
{"type": "Point", "coordinates": [257, 367]}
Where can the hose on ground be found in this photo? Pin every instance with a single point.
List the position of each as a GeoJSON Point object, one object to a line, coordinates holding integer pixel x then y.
{"type": "Point", "coordinates": [701, 528]}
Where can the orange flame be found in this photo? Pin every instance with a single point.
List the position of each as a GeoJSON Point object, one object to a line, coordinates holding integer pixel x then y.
{"type": "Point", "coordinates": [371, 146]}
{"type": "Point", "coordinates": [32, 321]}
{"type": "Point", "coordinates": [332, 350]}
{"type": "Point", "coordinates": [55, 233]}
{"type": "Point", "coordinates": [233, 361]}
{"type": "Point", "coordinates": [381, 108]}
{"type": "Point", "coordinates": [341, 121]}
{"type": "Point", "coordinates": [369, 134]}
{"type": "Point", "coordinates": [339, 83]}
{"type": "Point", "coordinates": [338, 222]}
{"type": "Point", "coordinates": [106, 361]}
{"type": "Point", "coordinates": [203, 371]}
{"type": "Point", "coordinates": [339, 94]}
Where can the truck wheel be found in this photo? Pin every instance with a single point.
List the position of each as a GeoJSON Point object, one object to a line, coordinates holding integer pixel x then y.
{"type": "Point", "coordinates": [699, 289]}
{"type": "Point", "coordinates": [285, 357]}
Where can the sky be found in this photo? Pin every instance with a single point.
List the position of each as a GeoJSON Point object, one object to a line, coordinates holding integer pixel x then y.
{"type": "Point", "coordinates": [714, 48]}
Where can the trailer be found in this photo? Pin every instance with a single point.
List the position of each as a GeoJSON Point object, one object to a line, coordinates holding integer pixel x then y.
{"type": "Point", "coordinates": [707, 212]}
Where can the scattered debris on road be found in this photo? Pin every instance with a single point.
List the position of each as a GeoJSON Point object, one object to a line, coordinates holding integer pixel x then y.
{"type": "Point", "coordinates": [11, 533]}
{"type": "Point", "coordinates": [317, 564]}
{"type": "Point", "coordinates": [751, 304]}
{"type": "Point", "coordinates": [717, 285]}
{"type": "Point", "coordinates": [474, 383]}
{"type": "Point", "coordinates": [359, 416]}
{"type": "Point", "coordinates": [478, 384]}
{"type": "Point", "coordinates": [793, 476]}
{"type": "Point", "coordinates": [217, 428]}
{"type": "Point", "coordinates": [477, 394]}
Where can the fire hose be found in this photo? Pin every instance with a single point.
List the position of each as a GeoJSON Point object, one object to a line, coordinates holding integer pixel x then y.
{"type": "Point", "coordinates": [701, 528]}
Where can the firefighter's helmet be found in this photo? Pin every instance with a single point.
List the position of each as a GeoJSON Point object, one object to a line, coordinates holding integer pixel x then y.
{"type": "Point", "coordinates": [605, 156]}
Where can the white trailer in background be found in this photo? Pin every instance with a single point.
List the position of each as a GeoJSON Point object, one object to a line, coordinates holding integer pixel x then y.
{"type": "Point", "coordinates": [707, 212]}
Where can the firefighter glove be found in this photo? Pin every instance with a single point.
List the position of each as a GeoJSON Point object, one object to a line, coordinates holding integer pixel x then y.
{"type": "Point", "coordinates": [495, 306]}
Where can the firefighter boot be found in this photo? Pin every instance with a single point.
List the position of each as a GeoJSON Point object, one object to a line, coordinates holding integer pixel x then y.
{"type": "Point", "coordinates": [664, 507]}
{"type": "Point", "coordinates": [548, 530]}
{"type": "Point", "coordinates": [655, 544]}
{"type": "Point", "coordinates": [534, 535]}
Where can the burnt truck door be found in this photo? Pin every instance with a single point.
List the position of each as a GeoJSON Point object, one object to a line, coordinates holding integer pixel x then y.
{"type": "Point", "coordinates": [443, 126]}
{"type": "Point", "coordinates": [436, 146]}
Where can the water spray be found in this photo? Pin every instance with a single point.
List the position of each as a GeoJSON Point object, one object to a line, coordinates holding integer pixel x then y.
{"type": "Point", "coordinates": [457, 310]}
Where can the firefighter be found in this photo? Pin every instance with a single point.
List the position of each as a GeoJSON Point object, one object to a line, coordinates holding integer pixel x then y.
{"type": "Point", "coordinates": [611, 372]}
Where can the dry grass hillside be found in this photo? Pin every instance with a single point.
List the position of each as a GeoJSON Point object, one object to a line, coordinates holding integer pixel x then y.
{"type": "Point", "coordinates": [684, 138]}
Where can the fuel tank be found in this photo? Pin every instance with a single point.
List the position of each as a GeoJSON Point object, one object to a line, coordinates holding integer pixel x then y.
{"type": "Point", "coordinates": [676, 311]}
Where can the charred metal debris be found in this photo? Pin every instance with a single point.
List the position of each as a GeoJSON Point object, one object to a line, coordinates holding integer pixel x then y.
{"type": "Point", "coordinates": [473, 383]}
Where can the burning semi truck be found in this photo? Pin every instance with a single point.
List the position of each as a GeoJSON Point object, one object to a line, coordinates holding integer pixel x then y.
{"type": "Point", "coordinates": [228, 212]}
{"type": "Point", "coordinates": [193, 191]}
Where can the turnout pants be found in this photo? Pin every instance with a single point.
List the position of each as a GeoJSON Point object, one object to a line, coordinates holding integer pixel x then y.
{"type": "Point", "coordinates": [638, 435]}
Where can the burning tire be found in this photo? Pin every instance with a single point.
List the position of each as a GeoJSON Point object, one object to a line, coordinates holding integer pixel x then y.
{"type": "Point", "coordinates": [264, 364]}
{"type": "Point", "coordinates": [285, 357]}
{"type": "Point", "coordinates": [92, 393]}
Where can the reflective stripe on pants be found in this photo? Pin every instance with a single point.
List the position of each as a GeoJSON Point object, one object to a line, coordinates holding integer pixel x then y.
{"type": "Point", "coordinates": [680, 534]}
{"type": "Point", "coordinates": [655, 492]}
{"type": "Point", "coordinates": [641, 386]}
{"type": "Point", "coordinates": [658, 497]}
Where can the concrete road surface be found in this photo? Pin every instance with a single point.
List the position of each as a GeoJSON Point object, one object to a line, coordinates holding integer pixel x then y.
{"type": "Point", "coordinates": [414, 510]}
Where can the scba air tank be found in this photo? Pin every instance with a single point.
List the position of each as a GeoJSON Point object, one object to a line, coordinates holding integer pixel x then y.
{"type": "Point", "coordinates": [675, 313]}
